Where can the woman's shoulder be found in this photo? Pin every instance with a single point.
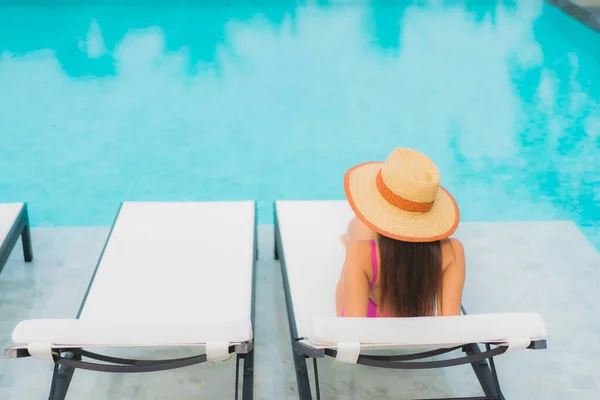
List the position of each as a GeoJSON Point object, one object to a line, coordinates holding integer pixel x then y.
{"type": "Point", "coordinates": [453, 244]}
{"type": "Point", "coordinates": [453, 253]}
{"type": "Point", "coordinates": [359, 253]}
{"type": "Point", "coordinates": [359, 249]}
{"type": "Point", "coordinates": [358, 231]}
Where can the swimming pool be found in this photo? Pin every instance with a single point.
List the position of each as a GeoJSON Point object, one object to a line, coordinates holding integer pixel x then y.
{"type": "Point", "coordinates": [276, 100]}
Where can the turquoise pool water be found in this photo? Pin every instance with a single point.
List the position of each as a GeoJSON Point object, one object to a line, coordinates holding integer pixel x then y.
{"type": "Point", "coordinates": [276, 100]}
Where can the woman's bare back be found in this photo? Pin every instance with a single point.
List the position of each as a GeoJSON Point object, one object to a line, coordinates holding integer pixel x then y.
{"type": "Point", "coordinates": [357, 241]}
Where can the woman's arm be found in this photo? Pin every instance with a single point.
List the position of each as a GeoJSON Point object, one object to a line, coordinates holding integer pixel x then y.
{"type": "Point", "coordinates": [339, 296]}
{"type": "Point", "coordinates": [453, 279]}
{"type": "Point", "coordinates": [352, 294]}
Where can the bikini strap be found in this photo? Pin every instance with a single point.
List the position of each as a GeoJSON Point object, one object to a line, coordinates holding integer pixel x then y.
{"type": "Point", "coordinates": [374, 260]}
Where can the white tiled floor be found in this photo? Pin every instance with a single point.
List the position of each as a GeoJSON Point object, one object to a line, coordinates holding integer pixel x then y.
{"type": "Point", "coordinates": [547, 267]}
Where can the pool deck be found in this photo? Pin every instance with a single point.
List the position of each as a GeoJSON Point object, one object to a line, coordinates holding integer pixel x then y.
{"type": "Point", "coordinates": [546, 267]}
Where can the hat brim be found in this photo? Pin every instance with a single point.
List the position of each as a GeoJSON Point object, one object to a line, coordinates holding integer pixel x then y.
{"type": "Point", "coordinates": [390, 221]}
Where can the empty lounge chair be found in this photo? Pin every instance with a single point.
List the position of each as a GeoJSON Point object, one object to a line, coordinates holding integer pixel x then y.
{"type": "Point", "coordinates": [170, 274]}
{"type": "Point", "coordinates": [308, 247]}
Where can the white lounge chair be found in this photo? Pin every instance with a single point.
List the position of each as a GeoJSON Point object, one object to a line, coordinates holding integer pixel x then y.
{"type": "Point", "coordinates": [308, 246]}
{"type": "Point", "coordinates": [14, 222]}
{"type": "Point", "coordinates": [170, 274]}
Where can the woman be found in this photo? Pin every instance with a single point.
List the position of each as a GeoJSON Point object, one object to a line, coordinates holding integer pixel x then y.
{"type": "Point", "coordinates": [400, 261]}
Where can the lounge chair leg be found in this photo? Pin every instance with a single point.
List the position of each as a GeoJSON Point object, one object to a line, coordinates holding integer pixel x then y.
{"type": "Point", "coordinates": [255, 232]}
{"type": "Point", "coordinates": [26, 241]}
{"type": "Point", "coordinates": [248, 380]}
{"type": "Point", "coordinates": [275, 241]}
{"type": "Point", "coordinates": [494, 374]}
{"type": "Point", "coordinates": [61, 379]}
{"type": "Point", "coordinates": [488, 379]}
{"type": "Point", "coordinates": [275, 232]}
{"type": "Point", "coordinates": [237, 376]}
{"type": "Point", "coordinates": [302, 376]}
{"type": "Point", "coordinates": [316, 371]}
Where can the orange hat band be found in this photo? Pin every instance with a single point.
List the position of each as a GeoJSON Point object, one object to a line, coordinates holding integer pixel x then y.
{"type": "Point", "coordinates": [399, 201]}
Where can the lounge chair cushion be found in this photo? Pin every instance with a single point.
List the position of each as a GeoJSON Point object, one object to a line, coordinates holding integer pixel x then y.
{"type": "Point", "coordinates": [430, 332]}
{"type": "Point", "coordinates": [81, 333]}
{"type": "Point", "coordinates": [173, 261]}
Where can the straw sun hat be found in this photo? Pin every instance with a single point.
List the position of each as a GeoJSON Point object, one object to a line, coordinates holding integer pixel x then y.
{"type": "Point", "coordinates": [401, 198]}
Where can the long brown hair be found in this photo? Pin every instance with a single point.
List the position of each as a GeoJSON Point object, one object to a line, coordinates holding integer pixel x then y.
{"type": "Point", "coordinates": [411, 277]}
